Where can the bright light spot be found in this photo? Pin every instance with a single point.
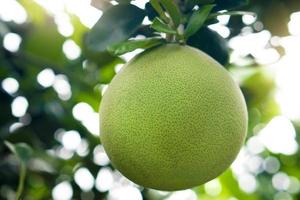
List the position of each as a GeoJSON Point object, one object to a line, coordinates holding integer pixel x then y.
{"type": "Point", "coordinates": [84, 179]}
{"type": "Point", "coordinates": [64, 25]}
{"type": "Point", "coordinates": [46, 78]}
{"type": "Point", "coordinates": [282, 196]}
{"type": "Point", "coordinates": [247, 183]}
{"type": "Point", "coordinates": [83, 148]}
{"type": "Point", "coordinates": [82, 111]}
{"type": "Point", "coordinates": [99, 156]}
{"type": "Point", "coordinates": [113, 2]}
{"type": "Point", "coordinates": [121, 180]}
{"type": "Point", "coordinates": [250, 43]}
{"type": "Point", "coordinates": [266, 56]}
{"type": "Point", "coordinates": [294, 187]}
{"type": "Point", "coordinates": [15, 126]}
{"type": "Point", "coordinates": [8, 10]}
{"type": "Point", "coordinates": [92, 124]}
{"type": "Point", "coordinates": [184, 194]}
{"type": "Point", "coordinates": [287, 79]}
{"type": "Point", "coordinates": [10, 85]}
{"type": "Point", "coordinates": [239, 164]}
{"type": "Point", "coordinates": [124, 193]}
{"type": "Point", "coordinates": [254, 165]}
{"type": "Point", "coordinates": [103, 88]}
{"type": "Point", "coordinates": [258, 26]}
{"type": "Point", "coordinates": [128, 56]}
{"type": "Point", "coordinates": [156, 194]}
{"type": "Point", "coordinates": [140, 3]}
{"type": "Point", "coordinates": [281, 181]}
{"type": "Point", "coordinates": [64, 153]}
{"type": "Point", "coordinates": [221, 29]}
{"type": "Point", "coordinates": [248, 19]}
{"type": "Point", "coordinates": [71, 49]}
{"type": "Point", "coordinates": [146, 21]}
{"type": "Point", "coordinates": [223, 19]}
{"type": "Point", "coordinates": [87, 14]}
{"type": "Point", "coordinates": [279, 136]}
{"type": "Point", "coordinates": [53, 6]}
{"type": "Point", "coordinates": [293, 25]}
{"type": "Point", "coordinates": [12, 42]}
{"type": "Point", "coordinates": [271, 165]}
{"type": "Point", "coordinates": [254, 145]}
{"type": "Point", "coordinates": [71, 140]}
{"type": "Point", "coordinates": [62, 191]}
{"type": "Point", "coordinates": [19, 106]}
{"type": "Point", "coordinates": [118, 67]}
{"type": "Point", "coordinates": [62, 87]}
{"type": "Point", "coordinates": [213, 188]}
{"type": "Point", "coordinates": [104, 180]}
{"type": "Point", "coordinates": [275, 41]}
{"type": "Point", "coordinates": [58, 134]}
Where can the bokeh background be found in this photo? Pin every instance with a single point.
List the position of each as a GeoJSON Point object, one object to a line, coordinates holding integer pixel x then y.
{"type": "Point", "coordinates": [51, 86]}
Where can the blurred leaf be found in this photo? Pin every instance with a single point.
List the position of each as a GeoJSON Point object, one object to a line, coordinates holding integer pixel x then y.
{"type": "Point", "coordinates": [3, 29]}
{"type": "Point", "coordinates": [131, 45]}
{"type": "Point", "coordinates": [160, 26]}
{"type": "Point", "coordinates": [35, 12]}
{"type": "Point", "coordinates": [275, 16]}
{"type": "Point", "coordinates": [37, 42]}
{"type": "Point", "coordinates": [100, 58]}
{"type": "Point", "coordinates": [101, 4]}
{"type": "Point", "coordinates": [157, 7]}
{"type": "Point", "coordinates": [197, 20]}
{"type": "Point", "coordinates": [146, 31]}
{"type": "Point", "coordinates": [151, 12]}
{"type": "Point", "coordinates": [117, 24]}
{"type": "Point", "coordinates": [79, 31]}
{"type": "Point", "coordinates": [211, 43]}
{"type": "Point", "coordinates": [21, 150]}
{"type": "Point", "coordinates": [173, 11]}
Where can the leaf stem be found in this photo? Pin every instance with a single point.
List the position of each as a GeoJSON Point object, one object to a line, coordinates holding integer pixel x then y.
{"type": "Point", "coordinates": [21, 181]}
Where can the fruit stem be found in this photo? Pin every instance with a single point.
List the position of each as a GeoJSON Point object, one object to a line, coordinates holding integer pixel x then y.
{"type": "Point", "coordinates": [21, 181]}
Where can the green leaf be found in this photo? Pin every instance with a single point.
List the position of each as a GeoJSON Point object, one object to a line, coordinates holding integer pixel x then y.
{"type": "Point", "coordinates": [156, 5]}
{"type": "Point", "coordinates": [211, 43]}
{"type": "Point", "coordinates": [117, 24]}
{"type": "Point", "coordinates": [132, 45]}
{"type": "Point", "coordinates": [197, 20]}
{"type": "Point", "coordinates": [173, 11]}
{"type": "Point", "coordinates": [160, 26]}
{"type": "Point", "coordinates": [22, 150]}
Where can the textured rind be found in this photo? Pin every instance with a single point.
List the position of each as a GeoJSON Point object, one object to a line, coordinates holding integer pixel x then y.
{"type": "Point", "coordinates": [172, 118]}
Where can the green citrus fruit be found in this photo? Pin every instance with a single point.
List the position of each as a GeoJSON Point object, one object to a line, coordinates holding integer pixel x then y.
{"type": "Point", "coordinates": [172, 118]}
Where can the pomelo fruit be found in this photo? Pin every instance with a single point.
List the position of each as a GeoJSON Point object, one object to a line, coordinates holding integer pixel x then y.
{"type": "Point", "coordinates": [172, 118]}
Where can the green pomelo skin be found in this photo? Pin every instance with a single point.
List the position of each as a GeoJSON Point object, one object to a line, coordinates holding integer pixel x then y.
{"type": "Point", "coordinates": [172, 118]}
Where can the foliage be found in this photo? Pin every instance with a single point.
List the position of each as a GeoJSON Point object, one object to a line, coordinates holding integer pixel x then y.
{"type": "Point", "coordinates": [51, 110]}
